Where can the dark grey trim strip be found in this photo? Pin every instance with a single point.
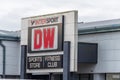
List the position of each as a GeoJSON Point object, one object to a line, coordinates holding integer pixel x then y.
{"type": "Point", "coordinates": [4, 58]}
{"type": "Point", "coordinates": [11, 76]}
{"type": "Point", "coordinates": [100, 29]}
{"type": "Point", "coordinates": [23, 61]}
{"type": "Point", "coordinates": [66, 61]}
{"type": "Point", "coordinates": [9, 38]}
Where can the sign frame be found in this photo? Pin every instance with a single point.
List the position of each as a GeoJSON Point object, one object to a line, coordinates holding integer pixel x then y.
{"type": "Point", "coordinates": [60, 38]}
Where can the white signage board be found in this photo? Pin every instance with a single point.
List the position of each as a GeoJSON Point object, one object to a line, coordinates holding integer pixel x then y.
{"type": "Point", "coordinates": [54, 22]}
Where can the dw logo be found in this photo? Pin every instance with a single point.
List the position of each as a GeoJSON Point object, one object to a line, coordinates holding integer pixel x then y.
{"type": "Point", "coordinates": [45, 38]}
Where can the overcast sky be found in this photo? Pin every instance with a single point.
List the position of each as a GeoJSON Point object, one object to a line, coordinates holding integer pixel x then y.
{"type": "Point", "coordinates": [11, 11]}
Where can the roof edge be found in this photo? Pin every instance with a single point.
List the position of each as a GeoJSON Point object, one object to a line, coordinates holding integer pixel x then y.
{"type": "Point", "coordinates": [101, 29]}
{"type": "Point", "coordinates": [9, 38]}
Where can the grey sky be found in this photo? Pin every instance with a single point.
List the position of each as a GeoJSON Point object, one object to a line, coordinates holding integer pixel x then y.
{"type": "Point", "coordinates": [11, 11]}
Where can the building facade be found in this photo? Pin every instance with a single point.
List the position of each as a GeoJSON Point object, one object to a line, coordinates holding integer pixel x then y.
{"type": "Point", "coordinates": [58, 47]}
{"type": "Point", "coordinates": [9, 54]}
{"type": "Point", "coordinates": [106, 34]}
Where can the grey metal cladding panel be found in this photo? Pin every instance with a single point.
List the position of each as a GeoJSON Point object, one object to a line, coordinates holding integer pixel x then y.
{"type": "Point", "coordinates": [87, 52]}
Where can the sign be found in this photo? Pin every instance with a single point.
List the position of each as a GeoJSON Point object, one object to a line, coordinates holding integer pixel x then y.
{"type": "Point", "coordinates": [45, 62]}
{"type": "Point", "coordinates": [45, 38]}
{"type": "Point", "coordinates": [65, 27]}
{"type": "Point", "coordinates": [45, 21]}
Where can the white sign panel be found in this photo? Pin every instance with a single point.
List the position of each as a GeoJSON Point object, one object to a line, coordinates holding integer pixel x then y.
{"type": "Point", "coordinates": [44, 38]}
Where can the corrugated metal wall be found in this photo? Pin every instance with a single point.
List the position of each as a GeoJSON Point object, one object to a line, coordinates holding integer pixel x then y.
{"type": "Point", "coordinates": [12, 58]}
{"type": "Point", "coordinates": [108, 52]}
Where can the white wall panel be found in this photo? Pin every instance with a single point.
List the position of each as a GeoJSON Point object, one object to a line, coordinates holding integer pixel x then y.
{"type": "Point", "coordinates": [12, 60]}
{"type": "Point", "coordinates": [11, 43]}
{"type": "Point", "coordinates": [12, 70]}
{"type": "Point", "coordinates": [1, 69]}
{"type": "Point", "coordinates": [1, 60]}
{"type": "Point", "coordinates": [110, 55]}
{"type": "Point", "coordinates": [13, 51]}
{"type": "Point", "coordinates": [69, 29]}
{"type": "Point", "coordinates": [24, 24]}
{"type": "Point", "coordinates": [0, 49]}
{"type": "Point", "coordinates": [24, 37]}
{"type": "Point", "coordinates": [107, 67]}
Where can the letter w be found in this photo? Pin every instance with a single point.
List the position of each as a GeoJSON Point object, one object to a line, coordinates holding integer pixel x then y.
{"type": "Point", "coordinates": [49, 37]}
